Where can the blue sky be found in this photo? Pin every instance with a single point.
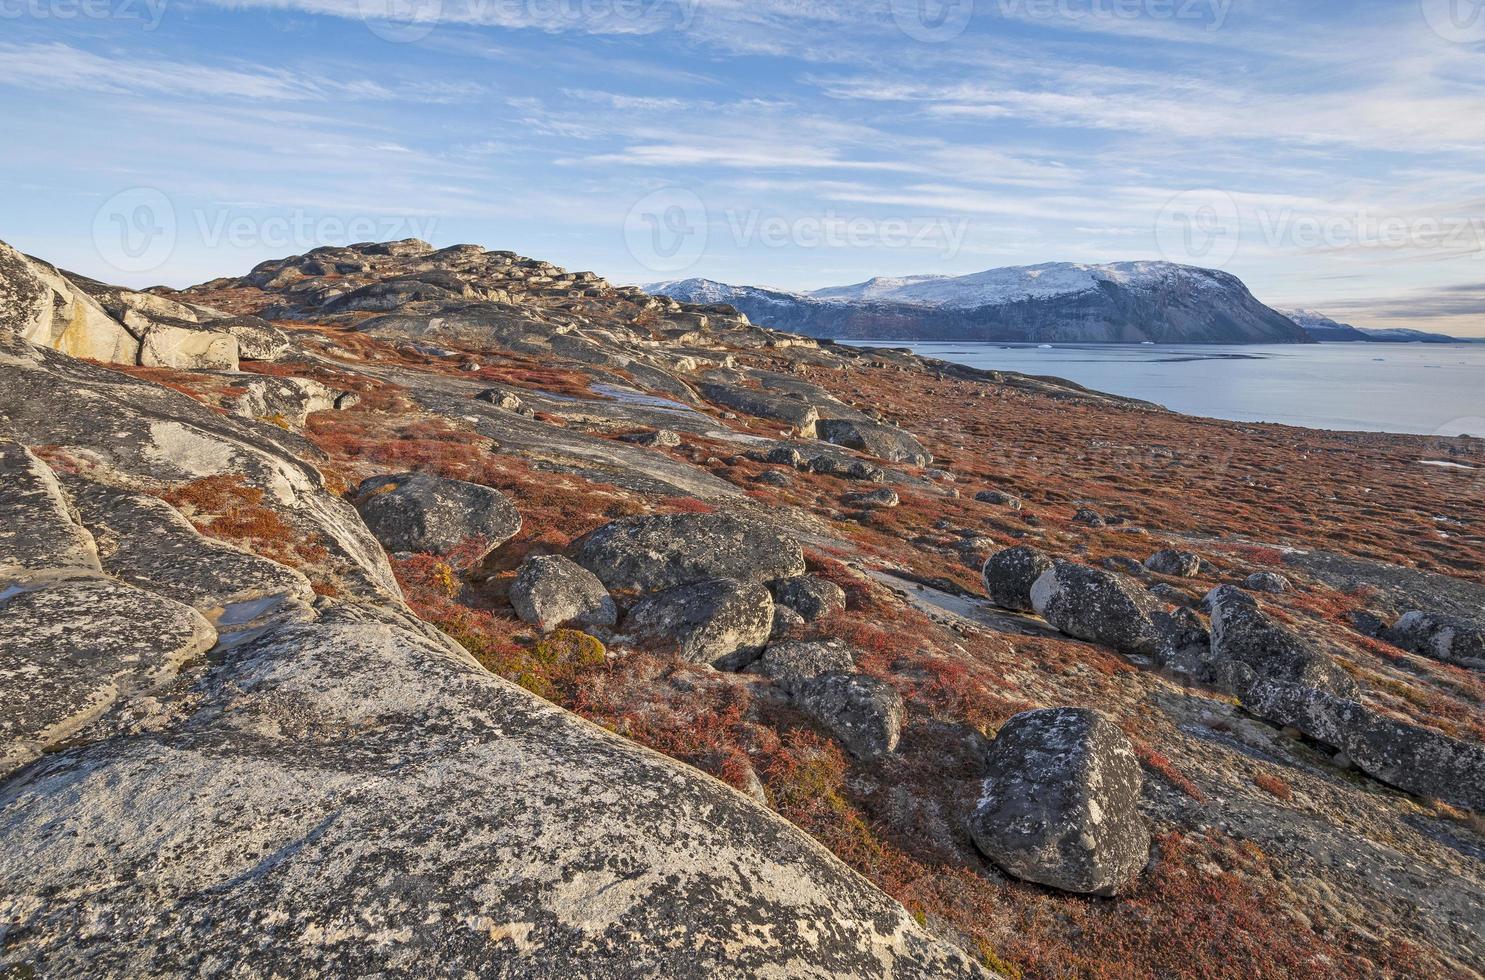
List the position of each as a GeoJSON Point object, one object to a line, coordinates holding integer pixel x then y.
{"type": "Point", "coordinates": [1332, 154]}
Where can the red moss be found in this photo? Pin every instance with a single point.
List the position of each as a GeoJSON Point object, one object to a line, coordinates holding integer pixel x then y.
{"type": "Point", "coordinates": [1273, 785]}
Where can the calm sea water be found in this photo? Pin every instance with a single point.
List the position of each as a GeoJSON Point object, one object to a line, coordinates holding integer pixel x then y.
{"type": "Point", "coordinates": [1432, 389]}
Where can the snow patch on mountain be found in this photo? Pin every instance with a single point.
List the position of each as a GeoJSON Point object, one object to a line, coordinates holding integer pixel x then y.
{"type": "Point", "coordinates": [709, 291]}
{"type": "Point", "coordinates": [995, 287]}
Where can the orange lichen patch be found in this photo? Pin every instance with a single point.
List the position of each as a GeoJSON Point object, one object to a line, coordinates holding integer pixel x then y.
{"type": "Point", "coordinates": [1273, 785]}
{"type": "Point", "coordinates": [523, 372]}
{"type": "Point", "coordinates": [1160, 764]}
{"type": "Point", "coordinates": [387, 441]}
{"type": "Point", "coordinates": [225, 507]}
{"type": "Point", "coordinates": [210, 390]}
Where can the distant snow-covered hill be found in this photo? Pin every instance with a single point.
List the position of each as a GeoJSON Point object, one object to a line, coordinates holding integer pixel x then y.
{"type": "Point", "coordinates": [1321, 327]}
{"type": "Point", "coordinates": [1123, 302]}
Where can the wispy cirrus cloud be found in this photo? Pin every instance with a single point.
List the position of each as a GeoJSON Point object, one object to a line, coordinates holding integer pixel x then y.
{"type": "Point", "coordinates": [1052, 130]}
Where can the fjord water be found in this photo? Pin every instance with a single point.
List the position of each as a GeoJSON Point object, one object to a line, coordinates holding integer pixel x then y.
{"type": "Point", "coordinates": [1430, 389]}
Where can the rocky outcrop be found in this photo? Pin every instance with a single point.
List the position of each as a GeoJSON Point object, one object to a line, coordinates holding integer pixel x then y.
{"type": "Point", "coordinates": [1061, 803]}
{"type": "Point", "coordinates": [1010, 573]}
{"type": "Point", "coordinates": [1449, 639]}
{"type": "Point", "coordinates": [648, 554]}
{"type": "Point", "coordinates": [1414, 759]}
{"type": "Point", "coordinates": [40, 305]}
{"type": "Point", "coordinates": [349, 796]}
{"type": "Point", "coordinates": [1242, 634]}
{"type": "Point", "coordinates": [148, 544]}
{"type": "Point", "coordinates": [792, 665]}
{"type": "Point", "coordinates": [1100, 607]}
{"type": "Point", "coordinates": [145, 434]}
{"type": "Point", "coordinates": [864, 713]}
{"type": "Point", "coordinates": [551, 591]}
{"type": "Point", "coordinates": [83, 318]}
{"type": "Point", "coordinates": [285, 401]}
{"type": "Point", "coordinates": [419, 513]}
{"type": "Point", "coordinates": [800, 415]}
{"type": "Point", "coordinates": [1270, 582]}
{"type": "Point", "coordinates": [1177, 564]}
{"type": "Point", "coordinates": [70, 649]}
{"type": "Point", "coordinates": [883, 498]}
{"type": "Point", "coordinates": [722, 622]}
{"type": "Point", "coordinates": [810, 596]}
{"type": "Point", "coordinates": [38, 528]}
{"type": "Point", "coordinates": [1000, 499]}
{"type": "Point", "coordinates": [875, 439]}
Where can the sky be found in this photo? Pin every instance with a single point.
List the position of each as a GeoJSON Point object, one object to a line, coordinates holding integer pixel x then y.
{"type": "Point", "coordinates": [1331, 154]}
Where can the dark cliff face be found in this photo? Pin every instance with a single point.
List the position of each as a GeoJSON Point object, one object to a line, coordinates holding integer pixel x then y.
{"type": "Point", "coordinates": [1202, 308]}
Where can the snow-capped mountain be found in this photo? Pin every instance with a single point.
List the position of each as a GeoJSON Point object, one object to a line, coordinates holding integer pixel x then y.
{"type": "Point", "coordinates": [995, 287]}
{"type": "Point", "coordinates": [1322, 327]}
{"type": "Point", "coordinates": [1122, 302]}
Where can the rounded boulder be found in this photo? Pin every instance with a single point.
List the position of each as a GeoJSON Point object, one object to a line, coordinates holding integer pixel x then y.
{"type": "Point", "coordinates": [1060, 804]}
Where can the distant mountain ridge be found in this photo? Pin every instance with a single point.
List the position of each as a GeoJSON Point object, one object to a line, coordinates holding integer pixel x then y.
{"type": "Point", "coordinates": [1323, 328]}
{"type": "Point", "coordinates": [1122, 302]}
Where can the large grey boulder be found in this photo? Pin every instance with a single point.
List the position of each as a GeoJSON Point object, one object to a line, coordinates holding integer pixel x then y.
{"type": "Point", "coordinates": [1271, 582]}
{"type": "Point", "coordinates": [39, 304]}
{"type": "Point", "coordinates": [170, 334]}
{"type": "Point", "coordinates": [1100, 607]}
{"type": "Point", "coordinates": [792, 664]}
{"type": "Point", "coordinates": [349, 797]}
{"type": "Point", "coordinates": [790, 410]}
{"type": "Point", "coordinates": [187, 348]}
{"type": "Point", "coordinates": [648, 554]}
{"type": "Point", "coordinates": [883, 498]}
{"type": "Point", "coordinates": [845, 467]}
{"type": "Point", "coordinates": [551, 591]}
{"type": "Point", "coordinates": [1009, 575]}
{"type": "Point", "coordinates": [1178, 564]}
{"type": "Point", "coordinates": [38, 528]}
{"type": "Point", "coordinates": [1415, 759]}
{"type": "Point", "coordinates": [1448, 639]}
{"type": "Point", "coordinates": [70, 649]}
{"type": "Point", "coordinates": [418, 512]}
{"type": "Point", "coordinates": [826, 462]}
{"type": "Point", "coordinates": [722, 622]}
{"type": "Point", "coordinates": [1000, 499]}
{"type": "Point", "coordinates": [1243, 634]}
{"type": "Point", "coordinates": [864, 713]}
{"type": "Point", "coordinates": [257, 339]}
{"type": "Point", "coordinates": [875, 439]}
{"type": "Point", "coordinates": [1061, 803]}
{"type": "Point", "coordinates": [287, 401]}
{"type": "Point", "coordinates": [809, 595]}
